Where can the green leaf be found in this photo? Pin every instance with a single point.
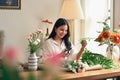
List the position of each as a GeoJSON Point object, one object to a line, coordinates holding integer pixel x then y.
{"type": "Point", "coordinates": [94, 58]}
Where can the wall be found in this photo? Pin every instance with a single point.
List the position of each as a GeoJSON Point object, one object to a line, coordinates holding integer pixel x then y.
{"type": "Point", "coordinates": [17, 24]}
{"type": "Point", "coordinates": [116, 13]}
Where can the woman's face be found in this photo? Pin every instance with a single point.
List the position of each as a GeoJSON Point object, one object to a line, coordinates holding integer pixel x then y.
{"type": "Point", "coordinates": [61, 31]}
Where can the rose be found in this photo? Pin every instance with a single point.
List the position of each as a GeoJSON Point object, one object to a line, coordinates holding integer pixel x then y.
{"type": "Point", "coordinates": [115, 38]}
{"type": "Point", "coordinates": [106, 34]}
{"type": "Point", "coordinates": [100, 38]}
{"type": "Point", "coordinates": [107, 37]}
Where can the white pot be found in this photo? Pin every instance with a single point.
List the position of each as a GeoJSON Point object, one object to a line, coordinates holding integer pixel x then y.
{"type": "Point", "coordinates": [32, 62]}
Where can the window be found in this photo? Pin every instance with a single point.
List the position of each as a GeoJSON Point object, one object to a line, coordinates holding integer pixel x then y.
{"type": "Point", "coordinates": [95, 11]}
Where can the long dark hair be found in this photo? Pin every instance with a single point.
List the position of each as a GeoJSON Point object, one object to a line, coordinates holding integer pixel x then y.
{"type": "Point", "coordinates": [58, 23]}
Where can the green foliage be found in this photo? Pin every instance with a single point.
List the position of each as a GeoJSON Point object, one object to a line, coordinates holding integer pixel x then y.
{"type": "Point", "coordinates": [91, 59]}
{"type": "Point", "coordinates": [33, 47]}
{"type": "Point", "coordinates": [94, 58]}
{"type": "Point", "coordinates": [72, 66]}
{"type": "Point", "coordinates": [7, 73]}
{"type": "Point", "coordinates": [105, 24]}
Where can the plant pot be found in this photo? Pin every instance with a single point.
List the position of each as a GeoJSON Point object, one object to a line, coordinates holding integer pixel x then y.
{"type": "Point", "coordinates": [32, 62]}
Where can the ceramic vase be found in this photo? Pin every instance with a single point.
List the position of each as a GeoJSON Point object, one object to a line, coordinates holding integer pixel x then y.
{"type": "Point", "coordinates": [32, 61]}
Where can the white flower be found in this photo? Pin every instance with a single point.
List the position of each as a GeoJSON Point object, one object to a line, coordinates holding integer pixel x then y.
{"type": "Point", "coordinates": [75, 61]}
{"type": "Point", "coordinates": [34, 41]}
{"type": "Point", "coordinates": [37, 41]}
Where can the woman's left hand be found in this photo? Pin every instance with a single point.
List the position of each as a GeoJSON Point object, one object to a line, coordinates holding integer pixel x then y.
{"type": "Point", "coordinates": [84, 43]}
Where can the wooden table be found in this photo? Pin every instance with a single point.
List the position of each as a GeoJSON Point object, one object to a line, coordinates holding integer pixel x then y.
{"type": "Point", "coordinates": [92, 75]}
{"type": "Point", "coordinates": [88, 75]}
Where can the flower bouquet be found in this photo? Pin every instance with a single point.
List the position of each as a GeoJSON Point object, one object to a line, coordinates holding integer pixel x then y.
{"type": "Point", "coordinates": [109, 37]}
{"type": "Point", "coordinates": [34, 40]}
{"type": "Point", "coordinates": [75, 66]}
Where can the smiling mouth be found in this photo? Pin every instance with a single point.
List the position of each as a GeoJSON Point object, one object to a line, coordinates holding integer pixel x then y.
{"type": "Point", "coordinates": [62, 35]}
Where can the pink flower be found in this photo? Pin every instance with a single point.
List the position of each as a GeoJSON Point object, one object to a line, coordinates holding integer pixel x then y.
{"type": "Point", "coordinates": [12, 55]}
{"type": "Point", "coordinates": [39, 31]}
{"type": "Point", "coordinates": [34, 41]}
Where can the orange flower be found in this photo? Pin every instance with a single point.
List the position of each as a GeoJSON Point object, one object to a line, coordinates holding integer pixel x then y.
{"type": "Point", "coordinates": [106, 34]}
{"type": "Point", "coordinates": [100, 38]}
{"type": "Point", "coordinates": [107, 37]}
{"type": "Point", "coordinates": [115, 37]}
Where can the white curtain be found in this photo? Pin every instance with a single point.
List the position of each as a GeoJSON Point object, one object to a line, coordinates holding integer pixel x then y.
{"type": "Point", "coordinates": [95, 11]}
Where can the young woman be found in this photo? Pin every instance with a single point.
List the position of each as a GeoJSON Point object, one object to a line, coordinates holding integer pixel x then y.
{"type": "Point", "coordinates": [58, 46]}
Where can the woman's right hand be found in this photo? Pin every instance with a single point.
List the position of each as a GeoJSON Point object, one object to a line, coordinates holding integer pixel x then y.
{"type": "Point", "coordinates": [63, 53]}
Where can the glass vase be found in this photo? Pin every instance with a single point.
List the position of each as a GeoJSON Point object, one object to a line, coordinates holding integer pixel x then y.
{"type": "Point", "coordinates": [109, 51]}
{"type": "Point", "coordinates": [112, 52]}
